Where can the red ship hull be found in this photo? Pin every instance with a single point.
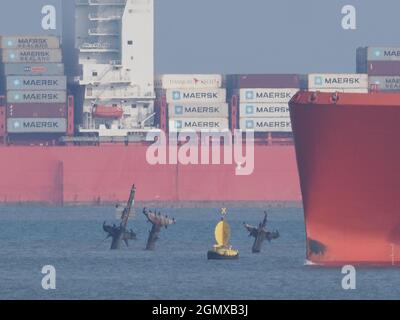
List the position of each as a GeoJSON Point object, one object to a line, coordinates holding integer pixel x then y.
{"type": "Point", "coordinates": [103, 174]}
{"type": "Point", "coordinates": [349, 166]}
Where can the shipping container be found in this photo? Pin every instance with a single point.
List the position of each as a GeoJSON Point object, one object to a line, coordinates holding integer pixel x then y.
{"type": "Point", "coordinates": [32, 56]}
{"type": "Point", "coordinates": [262, 95]}
{"type": "Point", "coordinates": [36, 125]}
{"type": "Point", "coordinates": [28, 42]}
{"type": "Point", "coordinates": [266, 124]}
{"type": "Point", "coordinates": [383, 68]}
{"type": "Point", "coordinates": [198, 124]}
{"type": "Point", "coordinates": [381, 54]}
{"type": "Point", "coordinates": [196, 96]}
{"type": "Point", "coordinates": [36, 69]}
{"type": "Point", "coordinates": [338, 81]}
{"type": "Point", "coordinates": [40, 83]}
{"type": "Point", "coordinates": [198, 110]}
{"type": "Point", "coordinates": [35, 110]}
{"type": "Point", "coordinates": [385, 83]}
{"type": "Point", "coordinates": [264, 110]}
{"type": "Point", "coordinates": [248, 81]}
{"type": "Point", "coordinates": [188, 81]}
{"type": "Point", "coordinates": [2, 120]}
{"type": "Point", "coordinates": [361, 60]}
{"type": "Point", "coordinates": [355, 90]}
{"type": "Point", "coordinates": [36, 96]}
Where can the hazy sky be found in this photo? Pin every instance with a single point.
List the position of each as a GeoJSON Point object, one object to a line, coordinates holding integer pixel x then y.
{"type": "Point", "coordinates": [255, 36]}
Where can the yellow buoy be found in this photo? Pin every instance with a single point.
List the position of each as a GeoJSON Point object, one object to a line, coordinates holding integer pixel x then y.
{"type": "Point", "coordinates": [222, 233]}
{"type": "Point", "coordinates": [222, 250]}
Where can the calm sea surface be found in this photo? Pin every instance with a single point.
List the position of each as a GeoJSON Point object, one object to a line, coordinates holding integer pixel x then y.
{"type": "Point", "coordinates": [70, 239]}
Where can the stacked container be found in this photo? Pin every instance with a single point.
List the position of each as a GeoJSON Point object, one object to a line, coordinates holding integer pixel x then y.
{"type": "Point", "coordinates": [382, 65]}
{"type": "Point", "coordinates": [349, 82]}
{"type": "Point", "coordinates": [36, 87]}
{"type": "Point", "coordinates": [264, 101]}
{"type": "Point", "coordinates": [194, 102]}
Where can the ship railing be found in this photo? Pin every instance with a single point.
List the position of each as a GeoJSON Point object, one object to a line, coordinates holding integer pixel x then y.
{"type": "Point", "coordinates": [100, 3]}
{"type": "Point", "coordinates": [96, 45]}
{"type": "Point", "coordinates": [102, 32]}
{"type": "Point", "coordinates": [132, 136]}
{"type": "Point", "coordinates": [95, 17]}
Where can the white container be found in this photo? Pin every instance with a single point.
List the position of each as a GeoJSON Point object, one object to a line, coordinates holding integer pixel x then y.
{"type": "Point", "coordinates": [338, 81]}
{"type": "Point", "coordinates": [36, 125]}
{"type": "Point", "coordinates": [264, 110]}
{"type": "Point", "coordinates": [188, 81]}
{"type": "Point", "coordinates": [37, 83]}
{"type": "Point", "coordinates": [266, 95]}
{"type": "Point", "coordinates": [198, 124]}
{"type": "Point", "coordinates": [34, 69]}
{"type": "Point", "coordinates": [28, 42]}
{"type": "Point", "coordinates": [36, 96]}
{"type": "Point", "coordinates": [196, 96]}
{"type": "Point", "coordinates": [198, 110]}
{"type": "Point", "coordinates": [266, 124]}
{"type": "Point", "coordinates": [383, 54]}
{"type": "Point", "coordinates": [355, 90]}
{"type": "Point", "coordinates": [32, 56]}
{"type": "Point", "coordinates": [391, 84]}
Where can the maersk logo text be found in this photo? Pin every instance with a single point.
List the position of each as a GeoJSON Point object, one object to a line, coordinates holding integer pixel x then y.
{"type": "Point", "coordinates": [178, 110]}
{"type": "Point", "coordinates": [176, 95]}
{"type": "Point", "coordinates": [249, 109]}
{"type": "Point", "coordinates": [318, 81]}
{"type": "Point", "coordinates": [392, 53]}
{"type": "Point", "coordinates": [249, 124]}
{"type": "Point", "coordinates": [249, 95]}
{"type": "Point", "coordinates": [178, 124]}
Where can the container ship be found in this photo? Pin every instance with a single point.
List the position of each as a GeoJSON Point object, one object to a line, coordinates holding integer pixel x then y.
{"type": "Point", "coordinates": [80, 99]}
{"type": "Point", "coordinates": [82, 113]}
{"type": "Point", "coordinates": [348, 164]}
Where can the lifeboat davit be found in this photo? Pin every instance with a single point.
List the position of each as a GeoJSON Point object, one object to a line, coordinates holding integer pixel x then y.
{"type": "Point", "coordinates": [107, 112]}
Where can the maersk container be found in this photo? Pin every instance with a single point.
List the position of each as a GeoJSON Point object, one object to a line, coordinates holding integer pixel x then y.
{"type": "Point", "coordinates": [198, 124]}
{"type": "Point", "coordinates": [177, 96]}
{"type": "Point", "coordinates": [36, 96]}
{"type": "Point", "coordinates": [34, 69]}
{"type": "Point", "coordinates": [31, 43]}
{"type": "Point", "coordinates": [383, 68]}
{"type": "Point", "coordinates": [391, 84]}
{"type": "Point", "coordinates": [355, 90]}
{"type": "Point", "coordinates": [266, 124]}
{"type": "Point", "coordinates": [262, 95]}
{"type": "Point", "coordinates": [188, 81]}
{"type": "Point", "coordinates": [248, 81]}
{"type": "Point", "coordinates": [264, 110]}
{"type": "Point", "coordinates": [198, 110]}
{"type": "Point", "coordinates": [338, 81]}
{"type": "Point", "coordinates": [35, 110]}
{"type": "Point", "coordinates": [40, 83]}
{"type": "Point", "coordinates": [383, 54]}
{"type": "Point", "coordinates": [32, 56]}
{"type": "Point", "coordinates": [36, 125]}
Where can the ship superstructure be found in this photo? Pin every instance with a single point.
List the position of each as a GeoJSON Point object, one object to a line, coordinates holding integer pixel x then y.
{"type": "Point", "coordinates": [115, 43]}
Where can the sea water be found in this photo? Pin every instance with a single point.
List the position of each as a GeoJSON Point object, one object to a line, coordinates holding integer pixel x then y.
{"type": "Point", "coordinates": [71, 239]}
